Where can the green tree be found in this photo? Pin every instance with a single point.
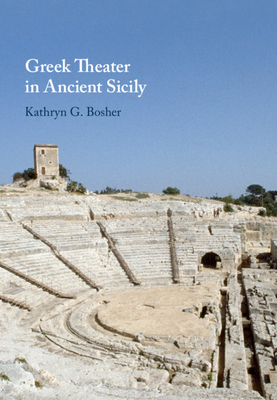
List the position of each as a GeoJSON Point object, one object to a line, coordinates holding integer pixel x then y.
{"type": "Point", "coordinates": [17, 175]}
{"type": "Point", "coordinates": [171, 190]}
{"type": "Point", "coordinates": [64, 172]}
{"type": "Point", "coordinates": [272, 194]}
{"type": "Point", "coordinates": [255, 190]}
{"type": "Point", "coordinates": [109, 190]}
{"type": "Point", "coordinates": [76, 187]}
{"type": "Point", "coordinates": [29, 174]}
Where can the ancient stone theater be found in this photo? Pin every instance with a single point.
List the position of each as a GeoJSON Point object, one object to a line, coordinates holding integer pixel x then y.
{"type": "Point", "coordinates": [122, 297]}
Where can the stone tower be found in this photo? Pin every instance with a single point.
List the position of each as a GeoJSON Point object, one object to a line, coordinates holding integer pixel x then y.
{"type": "Point", "coordinates": [46, 158]}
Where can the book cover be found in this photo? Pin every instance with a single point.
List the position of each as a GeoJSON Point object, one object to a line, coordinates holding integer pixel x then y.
{"type": "Point", "coordinates": [106, 299]}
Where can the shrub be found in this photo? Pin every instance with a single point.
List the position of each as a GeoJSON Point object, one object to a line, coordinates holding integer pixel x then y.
{"type": "Point", "coordinates": [76, 187]}
{"type": "Point", "coordinates": [142, 195]}
{"type": "Point", "coordinates": [4, 377]}
{"type": "Point", "coordinates": [272, 211]}
{"type": "Point", "coordinates": [72, 186]}
{"type": "Point", "coordinates": [262, 212]}
{"type": "Point", "coordinates": [17, 175]}
{"type": "Point", "coordinates": [29, 174]}
{"type": "Point", "coordinates": [81, 188]}
{"type": "Point", "coordinates": [171, 190]}
{"type": "Point", "coordinates": [228, 208]}
{"type": "Point", "coordinates": [110, 190]}
{"type": "Point", "coordinates": [64, 172]}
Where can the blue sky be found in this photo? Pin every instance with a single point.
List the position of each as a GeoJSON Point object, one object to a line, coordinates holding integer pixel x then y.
{"type": "Point", "coordinates": [206, 122]}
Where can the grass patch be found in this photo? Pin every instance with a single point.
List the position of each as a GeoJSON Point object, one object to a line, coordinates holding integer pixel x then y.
{"type": "Point", "coordinates": [4, 377]}
{"type": "Point", "coordinates": [142, 195]}
{"type": "Point", "coordinates": [172, 199]}
{"type": "Point", "coordinates": [20, 360]}
{"type": "Point", "coordinates": [212, 360]}
{"type": "Point", "coordinates": [262, 212]}
{"type": "Point", "coordinates": [123, 198]}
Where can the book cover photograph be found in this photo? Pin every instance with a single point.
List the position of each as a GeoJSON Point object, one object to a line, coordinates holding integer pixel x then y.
{"type": "Point", "coordinates": [138, 200]}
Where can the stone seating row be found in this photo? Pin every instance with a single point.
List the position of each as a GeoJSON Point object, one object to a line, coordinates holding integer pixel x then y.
{"type": "Point", "coordinates": [204, 241]}
{"type": "Point", "coordinates": [18, 289]}
{"type": "Point", "coordinates": [186, 255]}
{"type": "Point", "coordinates": [151, 208]}
{"type": "Point", "coordinates": [15, 240]}
{"type": "Point", "coordinates": [39, 201]}
{"type": "Point", "coordinates": [125, 223]}
{"type": "Point", "coordinates": [100, 266]}
{"type": "Point", "coordinates": [12, 230]}
{"type": "Point", "coordinates": [20, 247]}
{"type": "Point", "coordinates": [155, 248]}
{"type": "Point", "coordinates": [213, 240]}
{"type": "Point", "coordinates": [135, 208]}
{"type": "Point", "coordinates": [49, 212]}
{"type": "Point", "coordinates": [69, 236]}
{"type": "Point", "coordinates": [61, 258]}
{"type": "Point", "coordinates": [46, 266]}
{"type": "Point", "coordinates": [15, 302]}
{"type": "Point", "coordinates": [139, 235]}
{"type": "Point", "coordinates": [67, 228]}
{"type": "Point", "coordinates": [100, 207]}
{"type": "Point", "coordinates": [148, 263]}
{"type": "Point", "coordinates": [216, 223]}
{"type": "Point", "coordinates": [102, 249]}
{"type": "Point", "coordinates": [66, 242]}
{"type": "Point", "coordinates": [97, 254]}
{"type": "Point", "coordinates": [132, 235]}
{"type": "Point", "coordinates": [47, 269]}
{"type": "Point", "coordinates": [118, 255]}
{"type": "Point", "coordinates": [60, 227]}
{"type": "Point", "coordinates": [200, 238]}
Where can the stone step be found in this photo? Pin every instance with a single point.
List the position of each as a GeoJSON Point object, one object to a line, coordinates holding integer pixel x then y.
{"type": "Point", "coordinates": [48, 270]}
{"type": "Point", "coordinates": [18, 289]}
